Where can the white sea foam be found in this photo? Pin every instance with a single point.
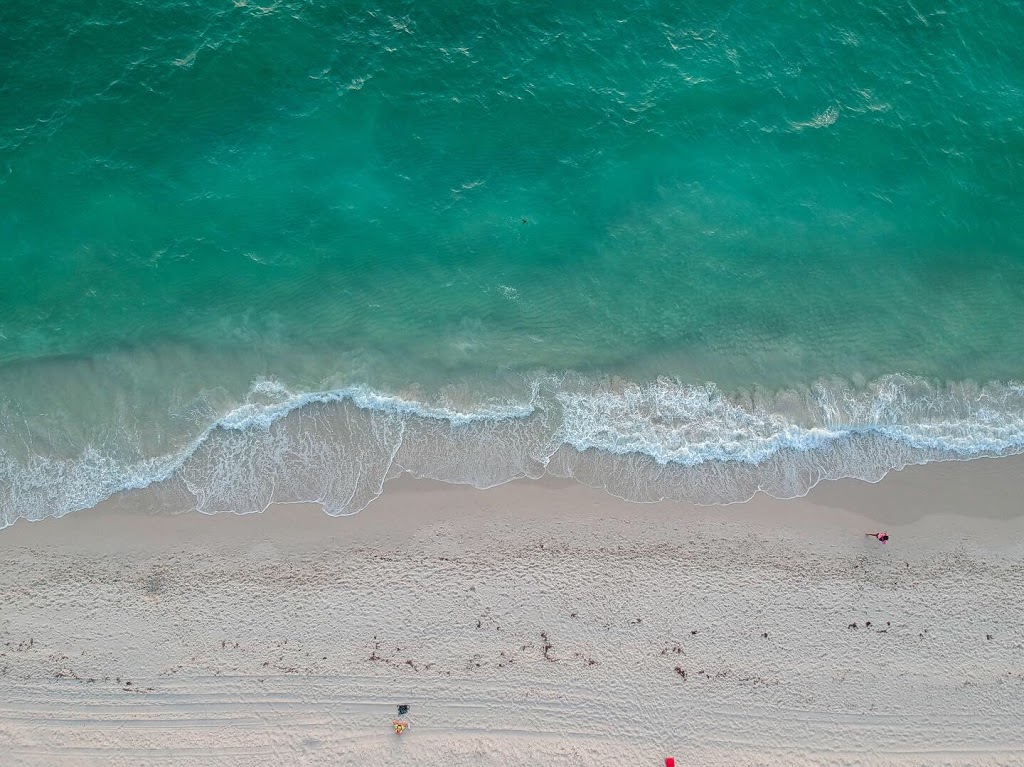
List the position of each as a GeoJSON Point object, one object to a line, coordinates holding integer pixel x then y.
{"type": "Point", "coordinates": [821, 120]}
{"type": "Point", "coordinates": [661, 439]}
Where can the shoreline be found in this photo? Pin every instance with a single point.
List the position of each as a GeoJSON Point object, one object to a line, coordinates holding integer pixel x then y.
{"type": "Point", "coordinates": [903, 496]}
{"type": "Point", "coordinates": [540, 622]}
{"type": "Point", "coordinates": [642, 441]}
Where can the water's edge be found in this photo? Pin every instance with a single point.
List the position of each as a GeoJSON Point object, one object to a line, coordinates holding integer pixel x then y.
{"type": "Point", "coordinates": [641, 442]}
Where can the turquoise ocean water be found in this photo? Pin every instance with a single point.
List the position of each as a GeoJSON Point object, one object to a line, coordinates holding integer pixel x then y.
{"type": "Point", "coordinates": [284, 251]}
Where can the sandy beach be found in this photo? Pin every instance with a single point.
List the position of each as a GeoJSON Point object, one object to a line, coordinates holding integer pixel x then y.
{"type": "Point", "coordinates": [539, 623]}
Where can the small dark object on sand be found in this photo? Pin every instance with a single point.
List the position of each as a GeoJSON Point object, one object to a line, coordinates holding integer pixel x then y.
{"type": "Point", "coordinates": [403, 709]}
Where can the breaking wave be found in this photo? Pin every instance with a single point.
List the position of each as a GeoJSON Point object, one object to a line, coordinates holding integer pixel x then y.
{"type": "Point", "coordinates": [642, 442]}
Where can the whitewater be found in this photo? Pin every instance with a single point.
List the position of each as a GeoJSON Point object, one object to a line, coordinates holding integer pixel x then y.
{"type": "Point", "coordinates": [642, 442]}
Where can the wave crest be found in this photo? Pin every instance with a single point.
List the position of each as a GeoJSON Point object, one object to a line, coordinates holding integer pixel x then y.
{"type": "Point", "coordinates": [642, 442]}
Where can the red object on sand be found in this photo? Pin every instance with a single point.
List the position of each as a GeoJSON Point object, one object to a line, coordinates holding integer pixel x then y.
{"type": "Point", "coordinates": [670, 762]}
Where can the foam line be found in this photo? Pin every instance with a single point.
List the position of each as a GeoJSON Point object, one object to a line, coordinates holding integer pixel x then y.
{"type": "Point", "coordinates": [654, 440]}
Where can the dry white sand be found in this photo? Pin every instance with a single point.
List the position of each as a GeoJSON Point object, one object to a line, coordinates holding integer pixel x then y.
{"type": "Point", "coordinates": [534, 624]}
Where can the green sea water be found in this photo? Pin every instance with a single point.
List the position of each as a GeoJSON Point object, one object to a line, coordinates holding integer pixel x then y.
{"type": "Point", "coordinates": [285, 251]}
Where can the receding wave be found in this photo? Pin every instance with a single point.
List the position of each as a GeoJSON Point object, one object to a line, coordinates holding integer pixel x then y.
{"type": "Point", "coordinates": [640, 441]}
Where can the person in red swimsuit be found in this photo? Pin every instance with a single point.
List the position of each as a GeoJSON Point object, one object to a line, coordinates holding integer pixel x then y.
{"type": "Point", "coordinates": [883, 537]}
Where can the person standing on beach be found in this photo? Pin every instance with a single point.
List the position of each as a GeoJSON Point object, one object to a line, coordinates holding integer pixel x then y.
{"type": "Point", "coordinates": [883, 537]}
